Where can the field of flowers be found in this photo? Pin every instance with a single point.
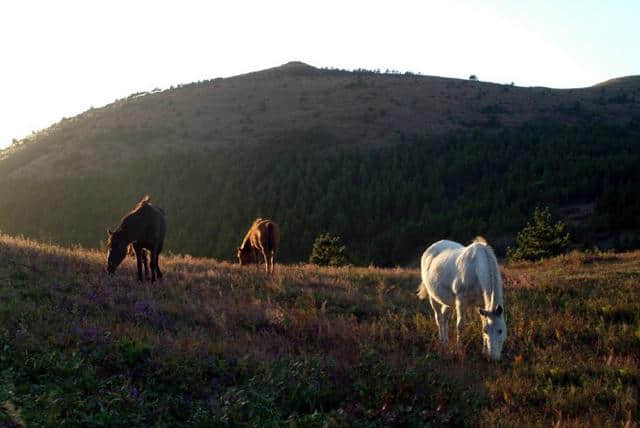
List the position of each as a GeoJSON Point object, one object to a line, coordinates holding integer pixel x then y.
{"type": "Point", "coordinates": [216, 344]}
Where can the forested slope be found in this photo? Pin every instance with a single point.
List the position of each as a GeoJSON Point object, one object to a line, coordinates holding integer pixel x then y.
{"type": "Point", "coordinates": [389, 162]}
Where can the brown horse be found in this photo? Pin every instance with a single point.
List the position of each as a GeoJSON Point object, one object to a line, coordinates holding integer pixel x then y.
{"type": "Point", "coordinates": [263, 236]}
{"type": "Point", "coordinates": [144, 228]}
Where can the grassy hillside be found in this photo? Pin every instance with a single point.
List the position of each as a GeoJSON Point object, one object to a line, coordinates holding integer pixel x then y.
{"type": "Point", "coordinates": [359, 108]}
{"type": "Point", "coordinates": [387, 161]}
{"type": "Point", "coordinates": [213, 344]}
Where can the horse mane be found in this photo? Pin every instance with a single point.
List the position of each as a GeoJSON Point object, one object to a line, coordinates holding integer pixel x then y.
{"type": "Point", "coordinates": [144, 201]}
{"type": "Point", "coordinates": [494, 275]}
{"type": "Point", "coordinates": [480, 240]}
{"type": "Point", "coordinates": [492, 294]}
{"type": "Point", "coordinates": [248, 235]}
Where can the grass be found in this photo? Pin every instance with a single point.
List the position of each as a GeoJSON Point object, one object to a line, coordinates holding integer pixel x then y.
{"type": "Point", "coordinates": [216, 344]}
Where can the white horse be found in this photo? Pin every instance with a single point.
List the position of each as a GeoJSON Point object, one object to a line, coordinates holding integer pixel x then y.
{"type": "Point", "coordinates": [454, 276]}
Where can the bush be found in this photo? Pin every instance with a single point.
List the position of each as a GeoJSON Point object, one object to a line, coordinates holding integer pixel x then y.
{"type": "Point", "coordinates": [540, 238]}
{"type": "Point", "coordinates": [328, 251]}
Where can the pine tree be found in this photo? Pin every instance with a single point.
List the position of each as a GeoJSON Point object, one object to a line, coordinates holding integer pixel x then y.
{"type": "Point", "coordinates": [540, 238]}
{"type": "Point", "coordinates": [328, 251]}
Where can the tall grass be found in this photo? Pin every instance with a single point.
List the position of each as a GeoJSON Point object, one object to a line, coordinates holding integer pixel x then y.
{"type": "Point", "coordinates": [217, 344]}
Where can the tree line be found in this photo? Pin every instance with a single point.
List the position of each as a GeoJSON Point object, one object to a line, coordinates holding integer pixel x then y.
{"type": "Point", "coordinates": [387, 204]}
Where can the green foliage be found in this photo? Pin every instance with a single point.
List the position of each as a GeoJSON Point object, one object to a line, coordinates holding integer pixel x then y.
{"type": "Point", "coordinates": [328, 251]}
{"type": "Point", "coordinates": [540, 238]}
{"type": "Point", "coordinates": [388, 203]}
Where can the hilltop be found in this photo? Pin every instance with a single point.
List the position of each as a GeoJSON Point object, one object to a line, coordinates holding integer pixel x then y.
{"type": "Point", "coordinates": [389, 161]}
{"type": "Point", "coordinates": [359, 108]}
{"type": "Point", "coordinates": [216, 344]}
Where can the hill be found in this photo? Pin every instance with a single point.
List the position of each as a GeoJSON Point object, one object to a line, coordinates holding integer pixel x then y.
{"type": "Point", "coordinates": [390, 162]}
{"type": "Point", "coordinates": [217, 345]}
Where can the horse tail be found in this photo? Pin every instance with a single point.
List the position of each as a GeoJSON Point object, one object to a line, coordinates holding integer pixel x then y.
{"type": "Point", "coordinates": [422, 291]}
{"type": "Point", "coordinates": [425, 264]}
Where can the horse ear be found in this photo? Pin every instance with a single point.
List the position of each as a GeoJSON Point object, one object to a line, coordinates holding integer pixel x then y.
{"type": "Point", "coordinates": [483, 313]}
{"type": "Point", "coordinates": [498, 310]}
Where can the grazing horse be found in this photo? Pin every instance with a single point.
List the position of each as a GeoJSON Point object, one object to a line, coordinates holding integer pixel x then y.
{"type": "Point", "coordinates": [454, 276]}
{"type": "Point", "coordinates": [263, 236]}
{"type": "Point", "coordinates": [144, 228]}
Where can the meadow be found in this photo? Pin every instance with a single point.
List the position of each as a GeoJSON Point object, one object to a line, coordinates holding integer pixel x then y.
{"type": "Point", "coordinates": [214, 344]}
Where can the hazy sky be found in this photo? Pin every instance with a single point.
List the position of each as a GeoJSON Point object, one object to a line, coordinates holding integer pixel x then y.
{"type": "Point", "coordinates": [58, 58]}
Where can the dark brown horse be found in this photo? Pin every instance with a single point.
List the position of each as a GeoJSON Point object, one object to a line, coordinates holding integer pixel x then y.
{"type": "Point", "coordinates": [263, 237]}
{"type": "Point", "coordinates": [144, 228]}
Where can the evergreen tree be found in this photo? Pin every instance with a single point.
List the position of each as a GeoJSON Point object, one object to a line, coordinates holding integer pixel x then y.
{"type": "Point", "coordinates": [328, 251]}
{"type": "Point", "coordinates": [540, 238]}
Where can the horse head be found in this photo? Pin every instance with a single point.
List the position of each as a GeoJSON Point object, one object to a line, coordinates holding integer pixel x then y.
{"type": "Point", "coordinates": [245, 255]}
{"type": "Point", "coordinates": [116, 250]}
{"type": "Point", "coordinates": [494, 332]}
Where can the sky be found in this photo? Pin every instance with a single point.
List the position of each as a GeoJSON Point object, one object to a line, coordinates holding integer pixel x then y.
{"type": "Point", "coordinates": [58, 59]}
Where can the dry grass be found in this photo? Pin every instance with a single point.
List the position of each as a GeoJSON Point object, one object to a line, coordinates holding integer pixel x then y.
{"type": "Point", "coordinates": [214, 343]}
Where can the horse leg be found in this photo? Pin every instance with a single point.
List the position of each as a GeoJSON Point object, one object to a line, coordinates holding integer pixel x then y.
{"type": "Point", "coordinates": [444, 310]}
{"type": "Point", "coordinates": [145, 264]}
{"type": "Point", "coordinates": [273, 257]}
{"type": "Point", "coordinates": [484, 340]}
{"type": "Point", "coordinates": [139, 260]}
{"type": "Point", "coordinates": [254, 258]}
{"type": "Point", "coordinates": [460, 319]}
{"type": "Point", "coordinates": [266, 261]}
{"type": "Point", "coordinates": [442, 321]}
{"type": "Point", "coordinates": [154, 264]}
{"type": "Point", "coordinates": [158, 273]}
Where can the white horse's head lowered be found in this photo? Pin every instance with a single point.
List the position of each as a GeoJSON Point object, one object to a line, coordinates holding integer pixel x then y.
{"type": "Point", "coordinates": [455, 277]}
{"type": "Point", "coordinates": [494, 332]}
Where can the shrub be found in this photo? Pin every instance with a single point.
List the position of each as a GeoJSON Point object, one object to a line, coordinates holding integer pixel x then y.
{"type": "Point", "coordinates": [328, 251]}
{"type": "Point", "coordinates": [540, 238]}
